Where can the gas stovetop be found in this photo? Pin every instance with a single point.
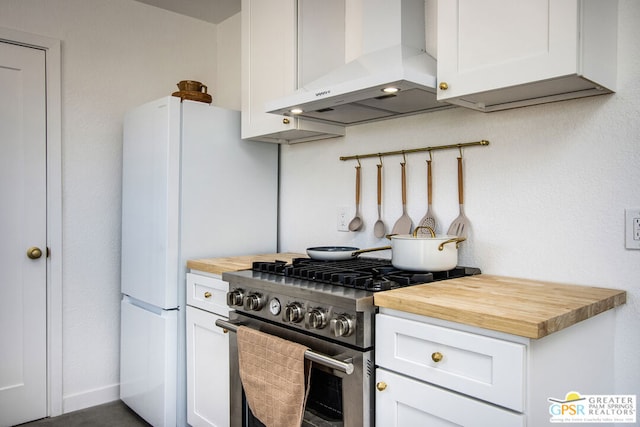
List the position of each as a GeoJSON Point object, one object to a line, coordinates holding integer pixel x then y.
{"type": "Point", "coordinates": [330, 299]}
{"type": "Point", "coordinates": [370, 274]}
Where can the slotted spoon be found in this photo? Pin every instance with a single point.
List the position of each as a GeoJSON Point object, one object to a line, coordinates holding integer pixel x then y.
{"type": "Point", "coordinates": [403, 224]}
{"type": "Point", "coordinates": [428, 220]}
{"type": "Point", "coordinates": [460, 225]}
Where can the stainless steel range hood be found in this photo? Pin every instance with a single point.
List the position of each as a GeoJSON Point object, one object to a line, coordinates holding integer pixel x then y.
{"type": "Point", "coordinates": [393, 56]}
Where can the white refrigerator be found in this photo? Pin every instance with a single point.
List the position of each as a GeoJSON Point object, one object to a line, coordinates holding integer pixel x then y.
{"type": "Point", "coordinates": [191, 188]}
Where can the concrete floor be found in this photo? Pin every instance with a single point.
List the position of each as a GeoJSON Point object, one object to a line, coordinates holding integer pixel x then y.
{"type": "Point", "coordinates": [113, 414]}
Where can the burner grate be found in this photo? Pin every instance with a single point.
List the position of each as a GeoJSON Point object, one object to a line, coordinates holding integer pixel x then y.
{"type": "Point", "coordinates": [371, 274]}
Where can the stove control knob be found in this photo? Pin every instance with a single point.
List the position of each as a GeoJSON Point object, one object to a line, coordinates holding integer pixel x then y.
{"type": "Point", "coordinates": [293, 312]}
{"type": "Point", "coordinates": [315, 319]}
{"type": "Point", "coordinates": [235, 297]}
{"type": "Point", "coordinates": [342, 325]}
{"type": "Point", "coordinates": [253, 302]}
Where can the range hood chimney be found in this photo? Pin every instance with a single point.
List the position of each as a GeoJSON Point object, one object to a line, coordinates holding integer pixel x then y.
{"type": "Point", "coordinates": [394, 76]}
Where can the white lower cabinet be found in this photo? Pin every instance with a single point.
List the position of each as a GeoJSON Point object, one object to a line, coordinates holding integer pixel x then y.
{"type": "Point", "coordinates": [432, 372]}
{"type": "Point", "coordinates": [407, 402]}
{"type": "Point", "coordinates": [480, 366]}
{"type": "Point", "coordinates": [207, 356]}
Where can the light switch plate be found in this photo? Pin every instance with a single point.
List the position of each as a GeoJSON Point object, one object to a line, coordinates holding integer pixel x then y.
{"type": "Point", "coordinates": [632, 228]}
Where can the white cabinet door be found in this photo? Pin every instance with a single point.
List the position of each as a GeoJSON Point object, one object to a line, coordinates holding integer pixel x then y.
{"type": "Point", "coordinates": [486, 368]}
{"type": "Point", "coordinates": [405, 402]}
{"type": "Point", "coordinates": [496, 54]}
{"type": "Point", "coordinates": [269, 71]}
{"type": "Point", "coordinates": [207, 370]}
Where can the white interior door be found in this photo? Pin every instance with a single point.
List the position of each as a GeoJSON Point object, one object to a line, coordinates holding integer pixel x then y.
{"type": "Point", "coordinates": [23, 349]}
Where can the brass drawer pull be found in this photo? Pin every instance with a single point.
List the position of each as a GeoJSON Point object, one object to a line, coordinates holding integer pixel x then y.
{"type": "Point", "coordinates": [207, 294]}
{"type": "Point", "coordinates": [437, 356]}
{"type": "Point", "coordinates": [381, 386]}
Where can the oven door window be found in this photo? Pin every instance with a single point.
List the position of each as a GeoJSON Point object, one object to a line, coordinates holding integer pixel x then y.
{"type": "Point", "coordinates": [324, 403]}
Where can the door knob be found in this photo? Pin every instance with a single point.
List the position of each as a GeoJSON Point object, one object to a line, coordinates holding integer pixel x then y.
{"type": "Point", "coordinates": [34, 252]}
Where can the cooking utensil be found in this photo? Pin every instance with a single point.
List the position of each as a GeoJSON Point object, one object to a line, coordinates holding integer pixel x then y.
{"type": "Point", "coordinates": [428, 220]}
{"type": "Point", "coordinates": [431, 253]}
{"type": "Point", "coordinates": [403, 224]}
{"type": "Point", "coordinates": [379, 227]}
{"type": "Point", "coordinates": [339, 253]}
{"type": "Point", "coordinates": [356, 222]}
{"type": "Point", "coordinates": [460, 225]}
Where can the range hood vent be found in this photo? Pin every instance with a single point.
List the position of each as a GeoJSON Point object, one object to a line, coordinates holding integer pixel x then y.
{"type": "Point", "coordinates": [393, 56]}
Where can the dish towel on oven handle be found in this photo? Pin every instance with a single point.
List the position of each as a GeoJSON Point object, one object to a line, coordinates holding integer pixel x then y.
{"type": "Point", "coordinates": [275, 377]}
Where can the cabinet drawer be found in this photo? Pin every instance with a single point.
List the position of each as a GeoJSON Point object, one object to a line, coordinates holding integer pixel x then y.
{"type": "Point", "coordinates": [487, 368]}
{"type": "Point", "coordinates": [207, 293]}
{"type": "Point", "coordinates": [408, 402]}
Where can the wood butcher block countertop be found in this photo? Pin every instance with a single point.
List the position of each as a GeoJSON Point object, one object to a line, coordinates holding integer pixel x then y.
{"type": "Point", "coordinates": [236, 263]}
{"type": "Point", "coordinates": [521, 307]}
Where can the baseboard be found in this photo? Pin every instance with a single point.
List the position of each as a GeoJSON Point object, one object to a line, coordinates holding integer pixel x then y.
{"type": "Point", "coordinates": [87, 399]}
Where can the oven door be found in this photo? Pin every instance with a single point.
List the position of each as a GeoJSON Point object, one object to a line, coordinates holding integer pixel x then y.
{"type": "Point", "coordinates": [336, 398]}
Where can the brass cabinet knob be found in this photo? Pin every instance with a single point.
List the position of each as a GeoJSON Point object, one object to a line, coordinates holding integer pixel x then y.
{"type": "Point", "coordinates": [443, 86]}
{"type": "Point", "coordinates": [207, 294]}
{"type": "Point", "coordinates": [437, 356]}
{"type": "Point", "coordinates": [286, 121]}
{"type": "Point", "coordinates": [381, 386]}
{"type": "Point", "coordinates": [34, 252]}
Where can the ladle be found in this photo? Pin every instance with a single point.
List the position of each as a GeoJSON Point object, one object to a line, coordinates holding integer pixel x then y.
{"type": "Point", "coordinates": [379, 227]}
{"type": "Point", "coordinates": [356, 222]}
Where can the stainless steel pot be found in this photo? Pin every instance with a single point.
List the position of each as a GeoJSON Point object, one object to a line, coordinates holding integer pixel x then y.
{"type": "Point", "coordinates": [424, 253]}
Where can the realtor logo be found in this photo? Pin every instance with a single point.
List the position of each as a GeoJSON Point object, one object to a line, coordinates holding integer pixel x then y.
{"type": "Point", "coordinates": [576, 408]}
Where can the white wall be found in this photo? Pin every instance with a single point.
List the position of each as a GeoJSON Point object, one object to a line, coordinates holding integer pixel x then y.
{"type": "Point", "coordinates": [116, 54]}
{"type": "Point", "coordinates": [227, 92]}
{"type": "Point", "coordinates": [545, 199]}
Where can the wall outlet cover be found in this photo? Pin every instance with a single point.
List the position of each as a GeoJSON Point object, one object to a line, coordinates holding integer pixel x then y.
{"type": "Point", "coordinates": [343, 218]}
{"type": "Point", "coordinates": [632, 228]}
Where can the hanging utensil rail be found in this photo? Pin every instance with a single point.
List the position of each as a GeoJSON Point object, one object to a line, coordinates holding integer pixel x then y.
{"type": "Point", "coordinates": [415, 150]}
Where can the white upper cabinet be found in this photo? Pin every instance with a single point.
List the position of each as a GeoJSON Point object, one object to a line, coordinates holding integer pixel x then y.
{"type": "Point", "coordinates": [500, 54]}
{"type": "Point", "coordinates": [276, 37]}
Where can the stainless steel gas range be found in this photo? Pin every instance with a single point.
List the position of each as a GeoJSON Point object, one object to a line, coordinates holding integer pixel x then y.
{"type": "Point", "coordinates": [327, 306]}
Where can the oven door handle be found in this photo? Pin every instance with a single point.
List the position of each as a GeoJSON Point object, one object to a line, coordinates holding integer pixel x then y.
{"type": "Point", "coordinates": [311, 355]}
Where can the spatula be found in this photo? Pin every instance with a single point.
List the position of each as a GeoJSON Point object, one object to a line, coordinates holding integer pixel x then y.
{"type": "Point", "coordinates": [428, 220]}
{"type": "Point", "coordinates": [379, 228]}
{"type": "Point", "coordinates": [403, 224]}
{"type": "Point", "coordinates": [460, 225]}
